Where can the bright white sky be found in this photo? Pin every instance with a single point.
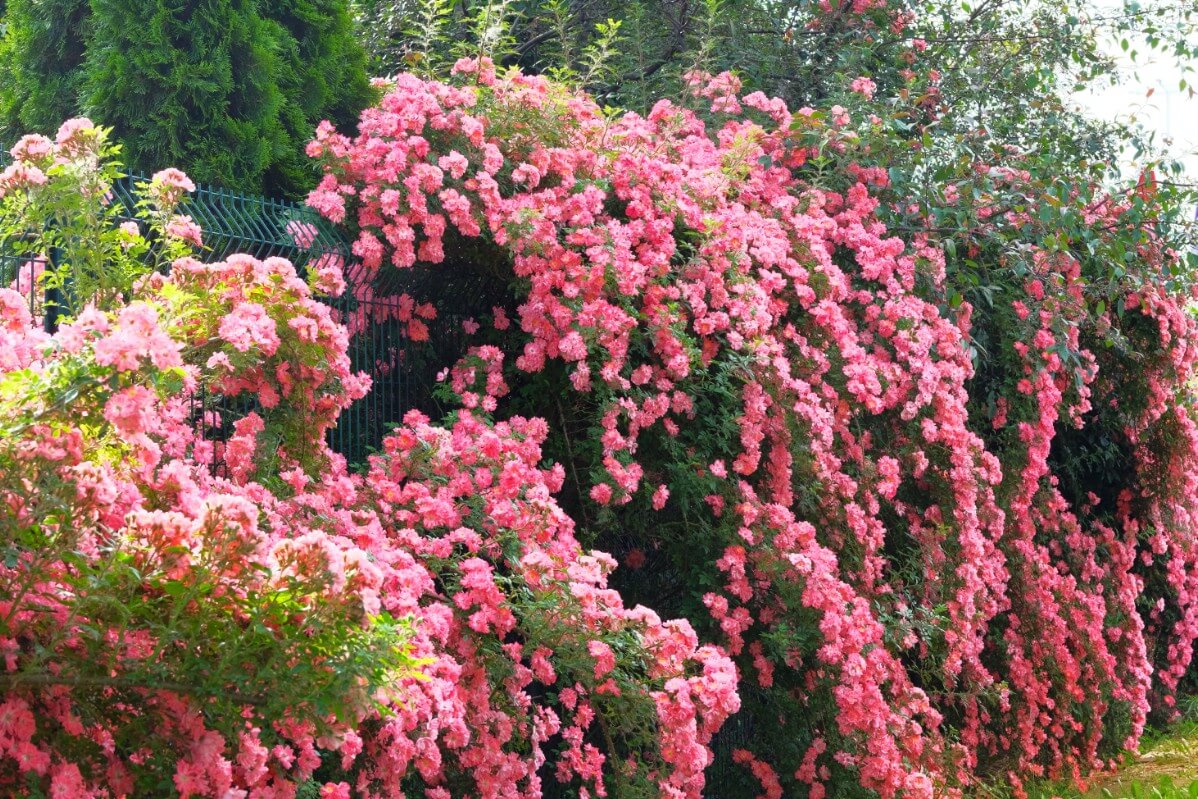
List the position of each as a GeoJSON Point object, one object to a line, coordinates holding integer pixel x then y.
{"type": "Point", "coordinates": [1169, 111]}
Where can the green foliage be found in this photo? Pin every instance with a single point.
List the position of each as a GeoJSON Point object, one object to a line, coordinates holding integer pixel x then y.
{"type": "Point", "coordinates": [58, 219]}
{"type": "Point", "coordinates": [194, 85]}
{"type": "Point", "coordinates": [766, 42]}
{"type": "Point", "coordinates": [321, 74]}
{"type": "Point", "coordinates": [1165, 789]}
{"type": "Point", "coordinates": [1001, 64]}
{"type": "Point", "coordinates": [41, 55]}
{"type": "Point", "coordinates": [227, 89]}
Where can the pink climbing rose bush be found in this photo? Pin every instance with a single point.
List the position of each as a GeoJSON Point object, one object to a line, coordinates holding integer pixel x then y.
{"type": "Point", "coordinates": [783, 400]}
{"type": "Point", "coordinates": [199, 599]}
{"type": "Point", "coordinates": [166, 630]}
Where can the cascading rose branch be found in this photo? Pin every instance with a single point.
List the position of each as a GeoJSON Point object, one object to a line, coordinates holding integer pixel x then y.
{"type": "Point", "coordinates": [538, 668]}
{"type": "Point", "coordinates": [915, 610]}
{"type": "Point", "coordinates": [432, 627]}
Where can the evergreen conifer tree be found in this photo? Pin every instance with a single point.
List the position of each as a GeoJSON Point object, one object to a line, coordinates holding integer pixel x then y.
{"type": "Point", "coordinates": [229, 90]}
{"type": "Point", "coordinates": [321, 73]}
{"type": "Point", "coordinates": [41, 54]}
{"type": "Point", "coordinates": [191, 83]}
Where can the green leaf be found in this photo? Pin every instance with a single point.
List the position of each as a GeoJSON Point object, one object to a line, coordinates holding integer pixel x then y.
{"type": "Point", "coordinates": [174, 588]}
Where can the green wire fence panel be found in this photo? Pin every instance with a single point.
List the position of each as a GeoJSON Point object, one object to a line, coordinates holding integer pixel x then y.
{"type": "Point", "coordinates": [21, 274]}
{"type": "Point", "coordinates": [403, 372]}
{"type": "Point", "coordinates": [258, 226]}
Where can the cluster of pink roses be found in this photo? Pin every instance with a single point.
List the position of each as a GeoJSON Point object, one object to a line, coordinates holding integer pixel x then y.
{"type": "Point", "coordinates": [505, 589]}
{"type": "Point", "coordinates": [107, 467]}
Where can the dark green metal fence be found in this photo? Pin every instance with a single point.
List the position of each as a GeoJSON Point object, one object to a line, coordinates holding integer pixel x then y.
{"type": "Point", "coordinates": [20, 273]}
{"type": "Point", "coordinates": [404, 372]}
{"type": "Point", "coordinates": [231, 223]}
{"type": "Point", "coordinates": [258, 226]}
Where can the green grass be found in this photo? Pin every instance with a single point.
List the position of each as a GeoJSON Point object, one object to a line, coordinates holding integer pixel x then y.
{"type": "Point", "coordinates": [1166, 768]}
{"type": "Point", "coordinates": [1165, 789]}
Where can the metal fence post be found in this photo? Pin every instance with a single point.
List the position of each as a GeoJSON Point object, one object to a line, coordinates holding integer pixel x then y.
{"type": "Point", "coordinates": [53, 294]}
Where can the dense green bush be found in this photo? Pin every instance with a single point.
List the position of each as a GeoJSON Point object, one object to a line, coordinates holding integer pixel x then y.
{"type": "Point", "coordinates": [195, 85]}
{"type": "Point", "coordinates": [993, 56]}
{"type": "Point", "coordinates": [41, 55]}
{"type": "Point", "coordinates": [228, 89]}
{"type": "Point", "coordinates": [322, 75]}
